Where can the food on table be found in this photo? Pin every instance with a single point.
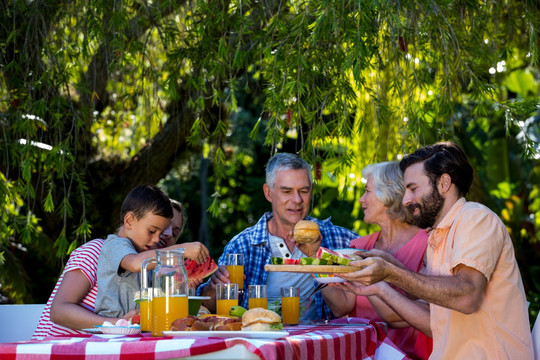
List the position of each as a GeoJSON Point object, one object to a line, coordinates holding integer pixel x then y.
{"type": "Point", "coordinates": [306, 232]}
{"type": "Point", "coordinates": [276, 260]}
{"type": "Point", "coordinates": [136, 319]}
{"type": "Point", "coordinates": [291, 261]}
{"type": "Point", "coordinates": [237, 311]}
{"type": "Point", "coordinates": [260, 319]}
{"type": "Point", "coordinates": [207, 323]}
{"type": "Point", "coordinates": [203, 311]}
{"type": "Point", "coordinates": [196, 271]}
{"type": "Point", "coordinates": [333, 257]}
{"type": "Point", "coordinates": [311, 261]}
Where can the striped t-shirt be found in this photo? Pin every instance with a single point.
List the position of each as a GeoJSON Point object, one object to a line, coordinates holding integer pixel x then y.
{"type": "Point", "coordinates": [84, 258]}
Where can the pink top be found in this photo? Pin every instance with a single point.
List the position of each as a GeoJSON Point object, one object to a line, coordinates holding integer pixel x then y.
{"type": "Point", "coordinates": [472, 235]}
{"type": "Point", "coordinates": [84, 258]}
{"type": "Point", "coordinates": [411, 255]}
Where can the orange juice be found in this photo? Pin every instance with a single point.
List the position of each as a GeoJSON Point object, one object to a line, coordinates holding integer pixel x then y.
{"type": "Point", "coordinates": [223, 306]}
{"type": "Point", "coordinates": [165, 310]}
{"type": "Point", "coordinates": [258, 303]}
{"type": "Point", "coordinates": [236, 275]}
{"type": "Point", "coordinates": [146, 314]}
{"type": "Point", "coordinates": [290, 310]}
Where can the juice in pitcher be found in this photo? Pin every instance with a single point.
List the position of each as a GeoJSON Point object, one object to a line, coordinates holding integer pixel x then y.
{"type": "Point", "coordinates": [146, 314]}
{"type": "Point", "coordinates": [167, 309]}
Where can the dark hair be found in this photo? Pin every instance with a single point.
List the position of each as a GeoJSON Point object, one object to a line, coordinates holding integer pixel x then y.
{"type": "Point", "coordinates": [443, 158]}
{"type": "Point", "coordinates": [146, 198]}
{"type": "Point", "coordinates": [285, 161]}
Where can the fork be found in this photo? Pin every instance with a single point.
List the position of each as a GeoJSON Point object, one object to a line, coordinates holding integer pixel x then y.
{"type": "Point", "coordinates": [319, 287]}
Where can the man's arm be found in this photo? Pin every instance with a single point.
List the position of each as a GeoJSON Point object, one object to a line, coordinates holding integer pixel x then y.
{"type": "Point", "coordinates": [339, 301]}
{"type": "Point", "coordinates": [221, 276]}
{"type": "Point", "coordinates": [393, 307]}
{"type": "Point", "coordinates": [461, 291]}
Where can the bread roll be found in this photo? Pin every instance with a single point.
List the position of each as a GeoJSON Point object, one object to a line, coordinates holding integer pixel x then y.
{"type": "Point", "coordinates": [259, 319]}
{"type": "Point", "coordinates": [306, 232]}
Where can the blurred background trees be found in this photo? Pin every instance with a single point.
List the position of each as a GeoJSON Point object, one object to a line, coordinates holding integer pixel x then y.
{"type": "Point", "coordinates": [97, 97]}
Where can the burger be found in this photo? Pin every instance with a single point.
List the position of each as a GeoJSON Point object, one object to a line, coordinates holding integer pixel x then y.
{"type": "Point", "coordinates": [260, 319]}
{"type": "Point", "coordinates": [306, 232]}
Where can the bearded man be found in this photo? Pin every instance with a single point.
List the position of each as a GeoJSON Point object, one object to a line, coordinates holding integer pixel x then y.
{"type": "Point", "coordinates": [477, 302]}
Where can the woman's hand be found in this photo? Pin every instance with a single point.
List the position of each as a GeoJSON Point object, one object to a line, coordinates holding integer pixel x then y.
{"type": "Point", "coordinates": [357, 288]}
{"type": "Point", "coordinates": [382, 254]}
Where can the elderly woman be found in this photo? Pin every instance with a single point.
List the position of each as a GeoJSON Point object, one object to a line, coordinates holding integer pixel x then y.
{"type": "Point", "coordinates": [398, 239]}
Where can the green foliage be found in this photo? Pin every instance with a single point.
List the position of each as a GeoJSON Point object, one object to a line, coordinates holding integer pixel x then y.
{"type": "Point", "coordinates": [98, 97]}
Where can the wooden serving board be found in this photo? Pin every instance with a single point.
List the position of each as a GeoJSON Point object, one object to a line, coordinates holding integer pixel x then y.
{"type": "Point", "coordinates": [314, 269]}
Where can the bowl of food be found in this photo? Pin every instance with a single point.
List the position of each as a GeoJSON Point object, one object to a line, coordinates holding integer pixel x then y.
{"type": "Point", "coordinates": [122, 327]}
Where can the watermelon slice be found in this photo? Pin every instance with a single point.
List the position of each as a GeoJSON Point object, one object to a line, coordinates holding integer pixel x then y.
{"type": "Point", "coordinates": [291, 261]}
{"type": "Point", "coordinates": [333, 256]}
{"type": "Point", "coordinates": [306, 261]}
{"type": "Point", "coordinates": [196, 271]}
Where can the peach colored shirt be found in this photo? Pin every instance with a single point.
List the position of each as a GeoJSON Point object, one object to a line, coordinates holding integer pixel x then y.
{"type": "Point", "coordinates": [411, 255]}
{"type": "Point", "coordinates": [472, 235]}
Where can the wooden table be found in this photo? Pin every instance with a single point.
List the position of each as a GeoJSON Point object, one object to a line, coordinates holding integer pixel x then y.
{"type": "Point", "coordinates": [343, 341]}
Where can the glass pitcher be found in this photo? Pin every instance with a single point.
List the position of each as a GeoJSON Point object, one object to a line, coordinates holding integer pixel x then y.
{"type": "Point", "coordinates": [170, 289]}
{"type": "Point", "coordinates": [145, 295]}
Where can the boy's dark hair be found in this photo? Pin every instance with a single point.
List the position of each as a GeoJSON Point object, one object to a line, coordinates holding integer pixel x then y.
{"type": "Point", "coordinates": [443, 158]}
{"type": "Point", "coordinates": [146, 198]}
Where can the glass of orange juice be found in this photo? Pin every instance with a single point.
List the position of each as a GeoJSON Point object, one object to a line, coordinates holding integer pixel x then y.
{"type": "Point", "coordinates": [257, 296]}
{"type": "Point", "coordinates": [235, 267]}
{"type": "Point", "coordinates": [226, 297]}
{"type": "Point", "coordinates": [290, 305]}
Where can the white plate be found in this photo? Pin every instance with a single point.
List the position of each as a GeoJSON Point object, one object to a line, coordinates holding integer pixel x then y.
{"type": "Point", "coordinates": [230, 334]}
{"type": "Point", "coordinates": [326, 279]}
{"type": "Point", "coordinates": [349, 252]}
{"type": "Point", "coordinates": [92, 330]}
{"type": "Point", "coordinates": [120, 330]}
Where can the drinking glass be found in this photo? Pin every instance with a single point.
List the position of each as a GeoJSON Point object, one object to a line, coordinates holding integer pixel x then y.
{"type": "Point", "coordinates": [235, 267]}
{"type": "Point", "coordinates": [257, 297]}
{"type": "Point", "coordinates": [226, 297]}
{"type": "Point", "coordinates": [290, 305]}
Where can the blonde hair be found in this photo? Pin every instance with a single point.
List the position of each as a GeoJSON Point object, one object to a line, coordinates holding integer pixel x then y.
{"type": "Point", "coordinates": [389, 188]}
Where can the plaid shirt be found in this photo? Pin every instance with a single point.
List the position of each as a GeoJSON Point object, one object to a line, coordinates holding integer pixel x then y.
{"type": "Point", "coordinates": [254, 243]}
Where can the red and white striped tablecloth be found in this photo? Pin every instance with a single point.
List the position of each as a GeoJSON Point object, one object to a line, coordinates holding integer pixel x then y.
{"type": "Point", "coordinates": [343, 341]}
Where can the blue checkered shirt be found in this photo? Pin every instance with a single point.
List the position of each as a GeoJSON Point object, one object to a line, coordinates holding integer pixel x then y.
{"type": "Point", "coordinates": [254, 243]}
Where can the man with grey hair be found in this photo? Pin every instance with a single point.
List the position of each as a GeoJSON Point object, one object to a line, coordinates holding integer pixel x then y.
{"type": "Point", "coordinates": [288, 187]}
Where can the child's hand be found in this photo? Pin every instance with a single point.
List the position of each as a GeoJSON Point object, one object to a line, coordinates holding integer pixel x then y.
{"type": "Point", "coordinates": [196, 251]}
{"type": "Point", "coordinates": [194, 283]}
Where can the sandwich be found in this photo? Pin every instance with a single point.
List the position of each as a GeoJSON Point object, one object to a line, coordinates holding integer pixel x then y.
{"type": "Point", "coordinates": [306, 232]}
{"type": "Point", "coordinates": [260, 319]}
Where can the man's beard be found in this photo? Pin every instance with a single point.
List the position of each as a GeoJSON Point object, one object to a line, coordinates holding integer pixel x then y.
{"type": "Point", "coordinates": [430, 209]}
